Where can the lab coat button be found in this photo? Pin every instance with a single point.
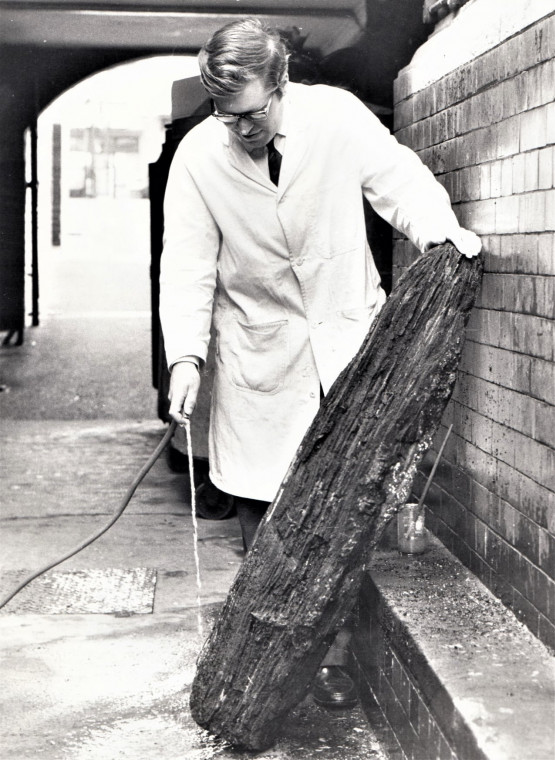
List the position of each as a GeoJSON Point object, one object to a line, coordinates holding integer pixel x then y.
{"type": "Point", "coordinates": [312, 394]}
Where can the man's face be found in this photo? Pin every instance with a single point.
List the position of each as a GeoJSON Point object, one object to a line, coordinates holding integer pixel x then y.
{"type": "Point", "coordinates": [254, 96]}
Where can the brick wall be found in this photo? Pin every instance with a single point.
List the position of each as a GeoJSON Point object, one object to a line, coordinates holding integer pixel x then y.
{"type": "Point", "coordinates": [390, 693]}
{"type": "Point", "coordinates": [486, 128]}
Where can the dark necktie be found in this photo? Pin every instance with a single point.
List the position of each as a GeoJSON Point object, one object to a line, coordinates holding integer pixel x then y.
{"type": "Point", "coordinates": [274, 162]}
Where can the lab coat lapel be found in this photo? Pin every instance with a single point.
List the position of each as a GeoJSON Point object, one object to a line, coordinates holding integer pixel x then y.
{"type": "Point", "coordinates": [240, 160]}
{"type": "Point", "coordinates": [296, 146]}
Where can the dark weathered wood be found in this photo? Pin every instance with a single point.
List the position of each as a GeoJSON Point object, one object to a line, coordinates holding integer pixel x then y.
{"type": "Point", "coordinates": [352, 471]}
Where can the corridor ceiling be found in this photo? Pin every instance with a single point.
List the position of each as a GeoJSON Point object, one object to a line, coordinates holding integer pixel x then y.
{"type": "Point", "coordinates": [178, 25]}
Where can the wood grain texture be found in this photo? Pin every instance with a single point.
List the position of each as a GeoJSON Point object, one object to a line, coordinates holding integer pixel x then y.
{"type": "Point", "coordinates": [353, 470]}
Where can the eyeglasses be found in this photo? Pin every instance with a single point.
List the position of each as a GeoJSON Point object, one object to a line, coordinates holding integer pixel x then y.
{"type": "Point", "coordinates": [233, 118]}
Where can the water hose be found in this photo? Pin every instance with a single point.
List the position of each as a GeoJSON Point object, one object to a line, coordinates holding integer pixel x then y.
{"type": "Point", "coordinates": [115, 517]}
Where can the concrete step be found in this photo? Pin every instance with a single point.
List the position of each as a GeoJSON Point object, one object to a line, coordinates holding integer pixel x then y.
{"type": "Point", "coordinates": [445, 669]}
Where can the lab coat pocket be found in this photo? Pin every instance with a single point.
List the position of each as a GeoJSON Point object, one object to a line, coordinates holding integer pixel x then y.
{"type": "Point", "coordinates": [355, 326]}
{"type": "Point", "coordinates": [366, 313]}
{"type": "Point", "coordinates": [361, 314]}
{"type": "Point", "coordinates": [255, 358]}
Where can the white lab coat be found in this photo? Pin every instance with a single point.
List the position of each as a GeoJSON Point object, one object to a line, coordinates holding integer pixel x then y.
{"type": "Point", "coordinates": [284, 275]}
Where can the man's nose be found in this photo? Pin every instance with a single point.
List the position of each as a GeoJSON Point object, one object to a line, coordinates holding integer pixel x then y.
{"type": "Point", "coordinates": [244, 126]}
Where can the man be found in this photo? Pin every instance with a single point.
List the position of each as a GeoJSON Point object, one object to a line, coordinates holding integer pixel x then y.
{"type": "Point", "coordinates": [279, 268]}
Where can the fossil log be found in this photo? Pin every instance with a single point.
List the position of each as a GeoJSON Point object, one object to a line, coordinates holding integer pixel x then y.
{"type": "Point", "coordinates": [354, 468]}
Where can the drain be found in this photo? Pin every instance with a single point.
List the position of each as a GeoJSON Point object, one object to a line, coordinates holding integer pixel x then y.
{"type": "Point", "coordinates": [106, 591]}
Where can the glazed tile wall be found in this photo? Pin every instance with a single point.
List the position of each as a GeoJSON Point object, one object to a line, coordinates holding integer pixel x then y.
{"type": "Point", "coordinates": [487, 130]}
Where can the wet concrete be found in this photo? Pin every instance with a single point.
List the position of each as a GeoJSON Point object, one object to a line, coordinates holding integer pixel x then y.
{"type": "Point", "coordinates": [78, 421]}
{"type": "Point", "coordinates": [116, 686]}
{"type": "Point", "coordinates": [97, 689]}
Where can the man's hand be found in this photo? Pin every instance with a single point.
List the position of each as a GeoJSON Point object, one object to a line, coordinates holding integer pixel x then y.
{"type": "Point", "coordinates": [184, 387]}
{"type": "Point", "coordinates": [467, 242]}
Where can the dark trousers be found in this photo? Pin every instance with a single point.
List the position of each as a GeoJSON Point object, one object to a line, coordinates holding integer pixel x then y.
{"type": "Point", "coordinates": [250, 513]}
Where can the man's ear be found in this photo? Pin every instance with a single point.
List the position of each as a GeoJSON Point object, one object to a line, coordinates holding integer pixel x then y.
{"type": "Point", "coordinates": [282, 85]}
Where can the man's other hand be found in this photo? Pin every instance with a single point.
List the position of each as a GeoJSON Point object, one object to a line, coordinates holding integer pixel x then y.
{"type": "Point", "coordinates": [467, 242]}
{"type": "Point", "coordinates": [184, 387]}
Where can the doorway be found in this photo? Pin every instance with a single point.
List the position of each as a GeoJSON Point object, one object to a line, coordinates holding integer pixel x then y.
{"type": "Point", "coordinates": [91, 356]}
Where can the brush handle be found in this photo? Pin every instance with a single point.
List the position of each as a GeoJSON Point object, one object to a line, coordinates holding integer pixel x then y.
{"type": "Point", "coordinates": [433, 472]}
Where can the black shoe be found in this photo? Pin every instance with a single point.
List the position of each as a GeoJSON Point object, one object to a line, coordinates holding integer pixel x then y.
{"type": "Point", "coordinates": [213, 504]}
{"type": "Point", "coordinates": [334, 688]}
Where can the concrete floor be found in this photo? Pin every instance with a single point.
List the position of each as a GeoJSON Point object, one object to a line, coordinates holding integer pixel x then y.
{"type": "Point", "coordinates": [113, 684]}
